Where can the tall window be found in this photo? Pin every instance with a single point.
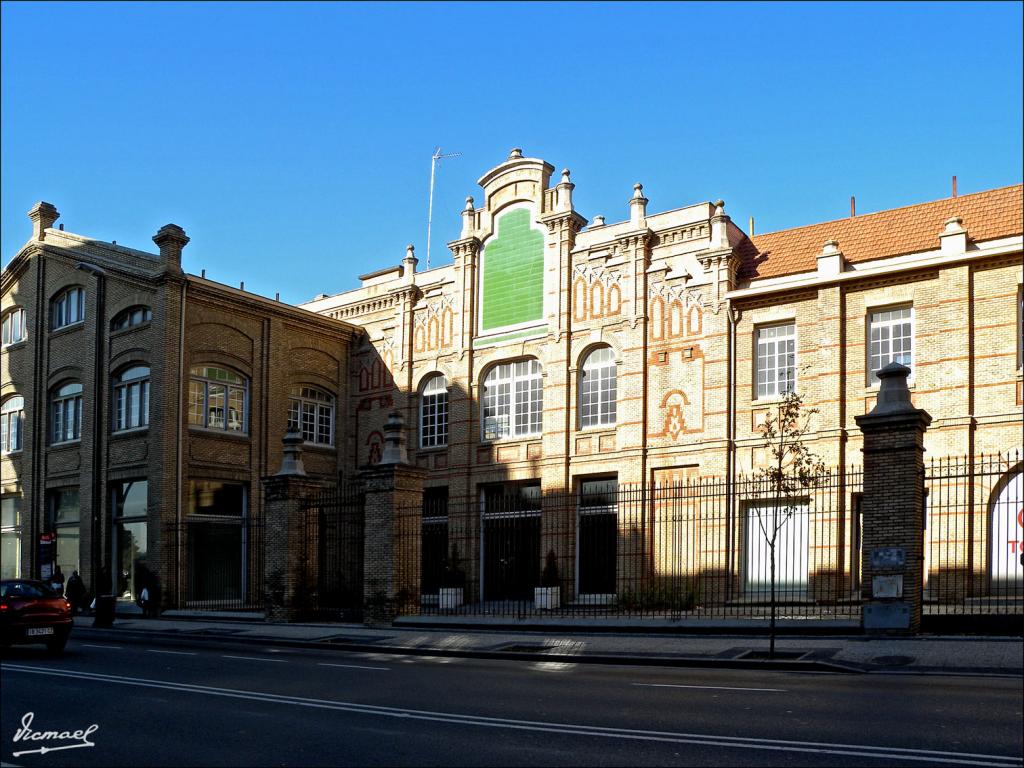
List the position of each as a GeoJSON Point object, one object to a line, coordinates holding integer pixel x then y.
{"type": "Point", "coordinates": [131, 398]}
{"type": "Point", "coordinates": [890, 339]}
{"type": "Point", "coordinates": [12, 417]}
{"type": "Point", "coordinates": [513, 400]}
{"type": "Point", "coordinates": [218, 399]}
{"type": "Point", "coordinates": [131, 317]}
{"type": "Point", "coordinates": [598, 389]}
{"type": "Point", "coordinates": [64, 508]}
{"type": "Point", "coordinates": [68, 308]}
{"type": "Point", "coordinates": [130, 507]}
{"type": "Point", "coordinates": [66, 413]}
{"type": "Point", "coordinates": [10, 537]}
{"type": "Point", "coordinates": [13, 327]}
{"type": "Point", "coordinates": [776, 360]}
{"type": "Point", "coordinates": [311, 412]}
{"type": "Point", "coordinates": [434, 412]}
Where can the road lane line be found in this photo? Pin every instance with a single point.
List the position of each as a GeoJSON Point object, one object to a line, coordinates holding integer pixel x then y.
{"type": "Point", "coordinates": [174, 653]}
{"type": "Point", "coordinates": [112, 647]}
{"type": "Point", "coordinates": [709, 687]}
{"type": "Point", "coordinates": [353, 666]}
{"type": "Point", "coordinates": [572, 729]}
{"type": "Point", "coordinates": [256, 658]}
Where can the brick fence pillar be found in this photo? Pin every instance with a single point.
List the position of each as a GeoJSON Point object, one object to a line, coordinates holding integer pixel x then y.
{"type": "Point", "coordinates": [283, 553]}
{"type": "Point", "coordinates": [393, 539]}
{"type": "Point", "coordinates": [893, 507]}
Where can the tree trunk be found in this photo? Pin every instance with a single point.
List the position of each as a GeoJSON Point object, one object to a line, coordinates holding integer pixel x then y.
{"type": "Point", "coordinates": [771, 631]}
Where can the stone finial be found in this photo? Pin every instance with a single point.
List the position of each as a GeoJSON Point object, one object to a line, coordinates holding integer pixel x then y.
{"type": "Point", "coordinates": [394, 440]}
{"type": "Point", "coordinates": [565, 176]}
{"type": "Point", "coordinates": [598, 222]}
{"type": "Point", "coordinates": [292, 464]}
{"type": "Point", "coordinates": [516, 153]}
{"type": "Point", "coordinates": [719, 207]}
{"type": "Point", "coordinates": [893, 393]}
{"type": "Point", "coordinates": [170, 239]}
{"type": "Point", "coordinates": [468, 218]}
{"type": "Point", "coordinates": [638, 207]}
{"type": "Point", "coordinates": [43, 216]}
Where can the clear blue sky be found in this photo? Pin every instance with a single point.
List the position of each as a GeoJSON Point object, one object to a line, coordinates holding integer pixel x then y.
{"type": "Point", "coordinates": [293, 142]}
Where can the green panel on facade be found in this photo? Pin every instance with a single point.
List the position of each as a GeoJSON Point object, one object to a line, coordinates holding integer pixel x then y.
{"type": "Point", "coordinates": [513, 290]}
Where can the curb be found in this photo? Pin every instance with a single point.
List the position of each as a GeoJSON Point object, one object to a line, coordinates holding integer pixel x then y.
{"type": "Point", "coordinates": [157, 637]}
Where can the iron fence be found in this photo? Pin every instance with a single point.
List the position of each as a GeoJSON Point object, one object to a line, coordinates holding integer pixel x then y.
{"type": "Point", "coordinates": [974, 545]}
{"type": "Point", "coordinates": [694, 549]}
{"type": "Point", "coordinates": [332, 555]}
{"type": "Point", "coordinates": [218, 562]}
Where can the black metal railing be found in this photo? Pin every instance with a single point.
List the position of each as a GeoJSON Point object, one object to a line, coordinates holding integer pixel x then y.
{"type": "Point", "coordinates": [974, 561]}
{"type": "Point", "coordinates": [332, 555]}
{"type": "Point", "coordinates": [687, 550]}
{"type": "Point", "coordinates": [218, 562]}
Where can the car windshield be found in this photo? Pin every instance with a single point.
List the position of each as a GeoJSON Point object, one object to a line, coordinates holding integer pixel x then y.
{"type": "Point", "coordinates": [24, 589]}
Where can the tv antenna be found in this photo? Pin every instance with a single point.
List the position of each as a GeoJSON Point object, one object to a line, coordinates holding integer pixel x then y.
{"type": "Point", "coordinates": [434, 160]}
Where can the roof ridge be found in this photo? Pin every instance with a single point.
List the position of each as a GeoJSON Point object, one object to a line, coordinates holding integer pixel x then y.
{"type": "Point", "coordinates": [885, 210]}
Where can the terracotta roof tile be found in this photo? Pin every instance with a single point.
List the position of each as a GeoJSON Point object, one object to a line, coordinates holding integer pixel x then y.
{"type": "Point", "coordinates": [986, 216]}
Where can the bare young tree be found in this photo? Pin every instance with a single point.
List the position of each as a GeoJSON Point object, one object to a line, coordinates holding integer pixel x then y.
{"type": "Point", "coordinates": [792, 470]}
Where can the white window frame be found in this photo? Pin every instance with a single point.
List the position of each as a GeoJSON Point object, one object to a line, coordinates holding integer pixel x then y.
{"type": "Point", "coordinates": [65, 312]}
{"type": "Point", "coordinates": [875, 321]}
{"type": "Point", "coordinates": [513, 400]}
{"type": "Point", "coordinates": [434, 412]}
{"type": "Point", "coordinates": [231, 383]}
{"type": "Point", "coordinates": [66, 414]}
{"type": "Point", "coordinates": [12, 327]}
{"type": "Point", "coordinates": [778, 366]}
{"type": "Point", "coordinates": [598, 389]}
{"type": "Point", "coordinates": [311, 412]}
{"type": "Point", "coordinates": [130, 408]}
{"type": "Point", "coordinates": [132, 317]}
{"type": "Point", "coordinates": [12, 424]}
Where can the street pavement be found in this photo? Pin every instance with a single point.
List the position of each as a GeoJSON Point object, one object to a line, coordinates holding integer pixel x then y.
{"type": "Point", "coordinates": [253, 703]}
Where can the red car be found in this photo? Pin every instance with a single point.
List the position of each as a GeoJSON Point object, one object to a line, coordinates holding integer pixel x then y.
{"type": "Point", "coordinates": [31, 612]}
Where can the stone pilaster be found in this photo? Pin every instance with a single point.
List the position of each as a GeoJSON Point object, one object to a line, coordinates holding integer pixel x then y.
{"type": "Point", "coordinates": [392, 538]}
{"type": "Point", "coordinates": [893, 507]}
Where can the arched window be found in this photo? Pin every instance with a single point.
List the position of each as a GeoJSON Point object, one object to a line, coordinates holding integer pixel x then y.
{"type": "Point", "coordinates": [131, 398]}
{"type": "Point", "coordinates": [434, 412]}
{"type": "Point", "coordinates": [131, 317]}
{"type": "Point", "coordinates": [14, 326]}
{"type": "Point", "coordinates": [311, 412]}
{"type": "Point", "coordinates": [66, 413]}
{"type": "Point", "coordinates": [67, 308]}
{"type": "Point", "coordinates": [513, 402]}
{"type": "Point", "coordinates": [12, 417]}
{"type": "Point", "coordinates": [598, 392]}
{"type": "Point", "coordinates": [218, 399]}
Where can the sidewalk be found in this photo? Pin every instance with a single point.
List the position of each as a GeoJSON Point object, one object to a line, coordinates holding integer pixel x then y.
{"type": "Point", "coordinates": [850, 653]}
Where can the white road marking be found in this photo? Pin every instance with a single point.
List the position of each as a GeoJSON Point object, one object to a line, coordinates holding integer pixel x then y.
{"type": "Point", "coordinates": [256, 658]}
{"type": "Point", "coordinates": [353, 666]}
{"type": "Point", "coordinates": [709, 687]}
{"type": "Point", "coordinates": [112, 647]}
{"type": "Point", "coordinates": [173, 653]}
{"type": "Point", "coordinates": [571, 729]}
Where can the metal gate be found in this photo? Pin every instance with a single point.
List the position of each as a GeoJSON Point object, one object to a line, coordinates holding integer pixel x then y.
{"type": "Point", "coordinates": [333, 525]}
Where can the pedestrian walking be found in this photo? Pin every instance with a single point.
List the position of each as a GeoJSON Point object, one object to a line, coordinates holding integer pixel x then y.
{"type": "Point", "coordinates": [74, 591]}
{"type": "Point", "coordinates": [57, 581]}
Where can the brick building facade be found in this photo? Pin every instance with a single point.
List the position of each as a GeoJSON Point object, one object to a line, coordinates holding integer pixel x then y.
{"type": "Point", "coordinates": [553, 355]}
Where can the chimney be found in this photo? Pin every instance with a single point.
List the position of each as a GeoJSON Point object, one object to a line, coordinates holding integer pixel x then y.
{"type": "Point", "coordinates": [170, 240]}
{"type": "Point", "coordinates": [43, 216]}
{"type": "Point", "coordinates": [638, 207]}
{"type": "Point", "coordinates": [954, 186]}
{"type": "Point", "coordinates": [853, 206]}
{"type": "Point", "coordinates": [750, 233]}
{"type": "Point", "coordinates": [598, 221]}
{"type": "Point", "coordinates": [953, 238]}
{"type": "Point", "coordinates": [830, 259]}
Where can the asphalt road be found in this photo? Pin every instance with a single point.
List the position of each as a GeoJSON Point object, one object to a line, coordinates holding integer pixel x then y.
{"type": "Point", "coordinates": [249, 705]}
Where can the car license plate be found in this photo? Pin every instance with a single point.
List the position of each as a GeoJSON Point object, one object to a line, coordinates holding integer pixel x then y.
{"type": "Point", "coordinates": [36, 631]}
